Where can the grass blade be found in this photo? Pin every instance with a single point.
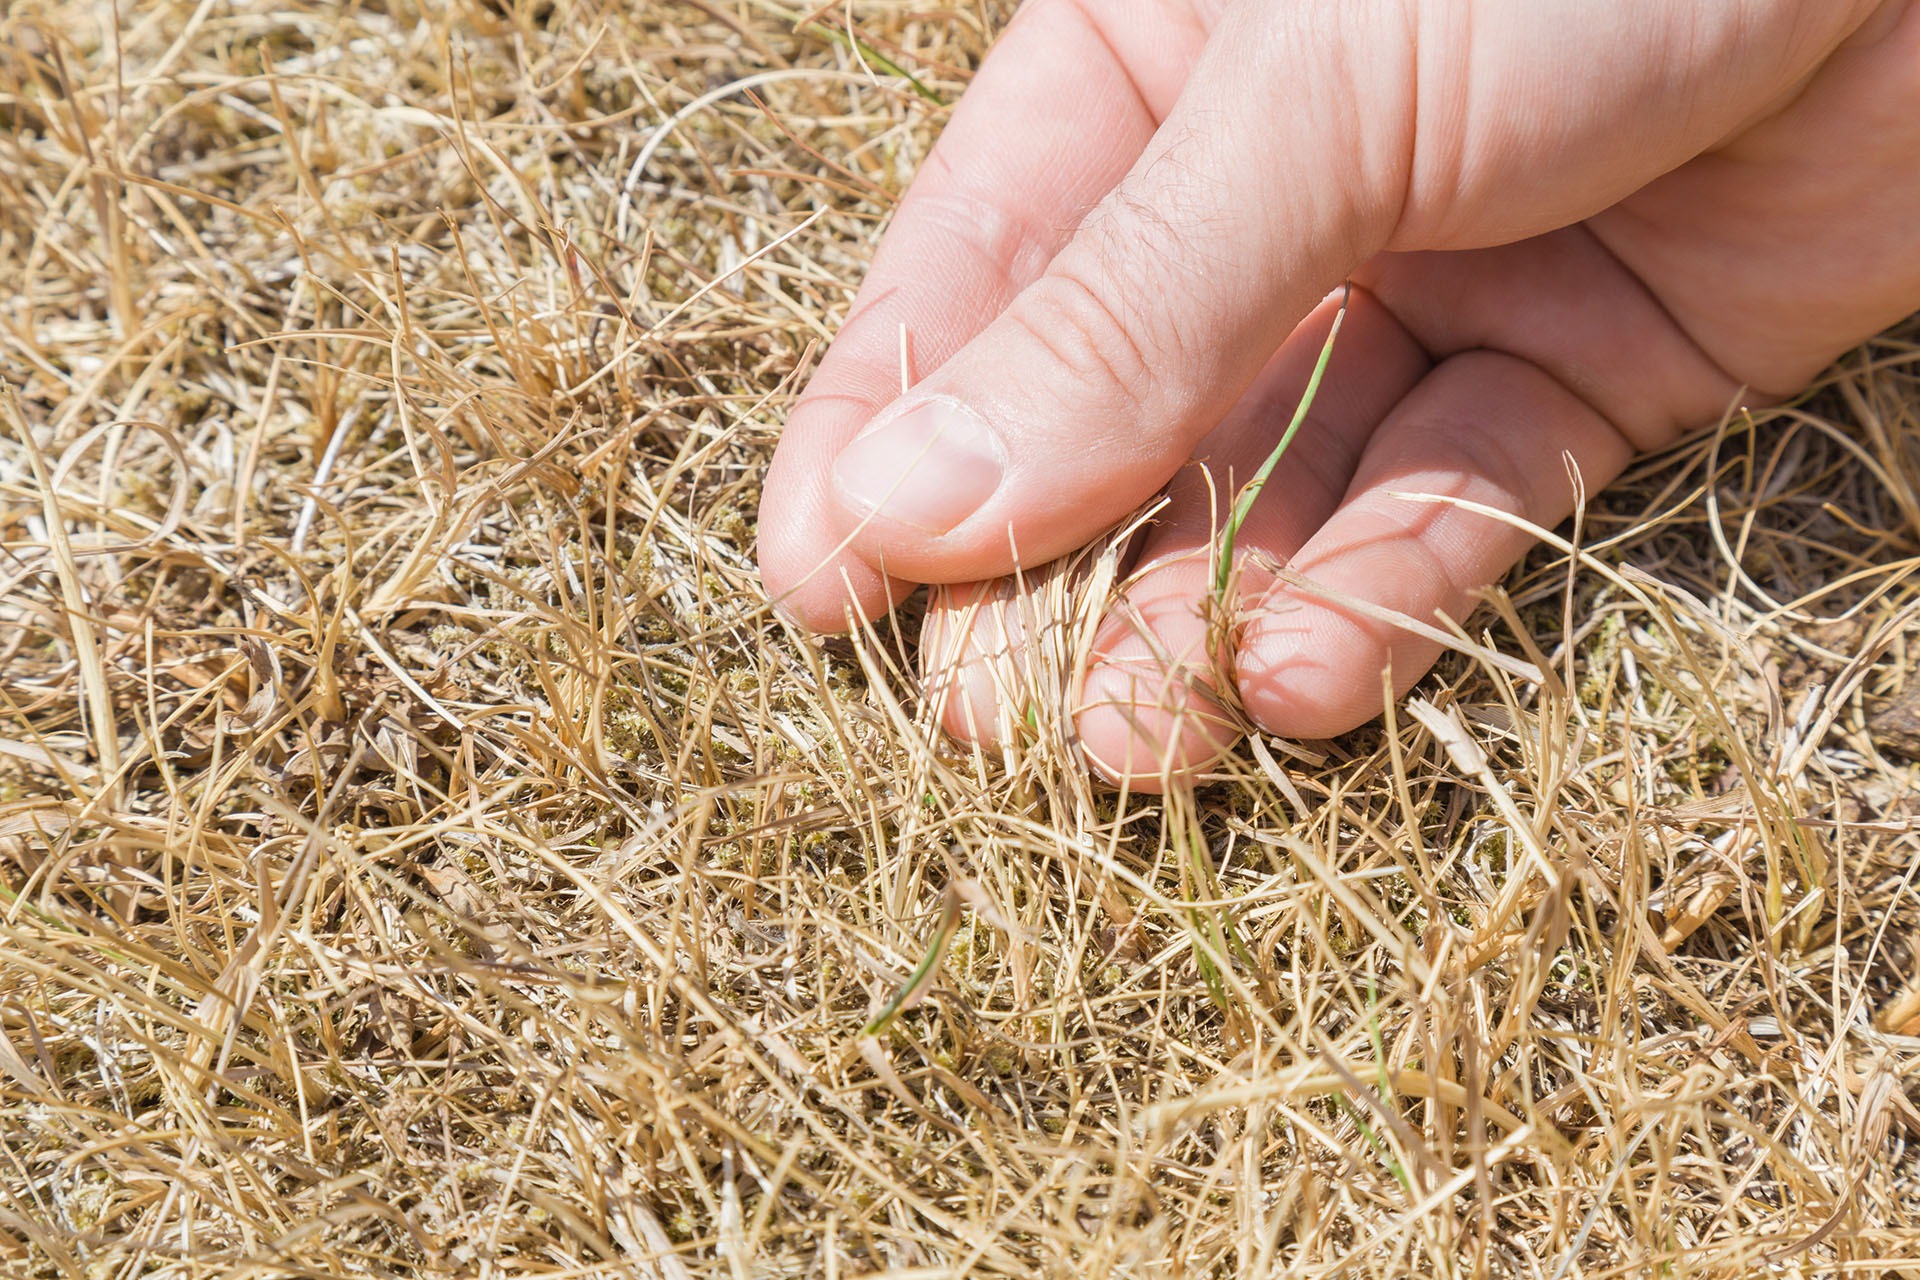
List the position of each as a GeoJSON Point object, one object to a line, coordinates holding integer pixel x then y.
{"type": "Point", "coordinates": [923, 973]}
{"type": "Point", "coordinates": [1250, 492]}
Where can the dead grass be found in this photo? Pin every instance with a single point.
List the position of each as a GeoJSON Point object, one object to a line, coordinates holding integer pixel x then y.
{"type": "Point", "coordinates": [423, 854]}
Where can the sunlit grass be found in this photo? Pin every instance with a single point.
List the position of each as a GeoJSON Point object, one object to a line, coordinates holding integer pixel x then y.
{"type": "Point", "coordinates": [423, 853]}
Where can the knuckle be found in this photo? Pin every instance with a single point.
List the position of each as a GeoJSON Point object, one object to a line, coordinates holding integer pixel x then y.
{"type": "Point", "coordinates": [1091, 335]}
{"type": "Point", "coordinates": [995, 240]}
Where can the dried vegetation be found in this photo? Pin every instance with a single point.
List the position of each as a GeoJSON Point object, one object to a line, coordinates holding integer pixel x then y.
{"type": "Point", "coordinates": [423, 853]}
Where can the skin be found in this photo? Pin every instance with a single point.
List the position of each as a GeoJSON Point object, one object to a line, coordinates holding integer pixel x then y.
{"type": "Point", "coordinates": [1575, 231]}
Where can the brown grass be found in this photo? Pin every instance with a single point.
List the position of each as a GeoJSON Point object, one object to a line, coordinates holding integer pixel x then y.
{"type": "Point", "coordinates": [423, 853]}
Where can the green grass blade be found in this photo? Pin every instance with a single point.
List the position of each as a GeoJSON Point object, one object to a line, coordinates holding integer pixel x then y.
{"type": "Point", "coordinates": [879, 59]}
{"type": "Point", "coordinates": [923, 973]}
{"type": "Point", "coordinates": [1251, 490]}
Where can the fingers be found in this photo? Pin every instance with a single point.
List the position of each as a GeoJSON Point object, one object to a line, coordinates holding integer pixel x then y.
{"type": "Point", "coordinates": [1561, 302]}
{"type": "Point", "coordinates": [977, 669]}
{"type": "Point", "coordinates": [1055, 117]}
{"type": "Point", "coordinates": [1081, 400]}
{"type": "Point", "coordinates": [1483, 426]}
{"type": "Point", "coordinates": [1550, 341]}
{"type": "Point", "coordinates": [1529, 374]}
{"type": "Point", "coordinates": [1150, 709]}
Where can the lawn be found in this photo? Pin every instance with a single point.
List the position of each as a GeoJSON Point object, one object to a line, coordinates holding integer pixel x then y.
{"type": "Point", "coordinates": [423, 852]}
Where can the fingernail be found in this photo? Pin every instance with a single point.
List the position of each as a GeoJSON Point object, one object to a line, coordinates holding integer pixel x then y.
{"type": "Point", "coordinates": [931, 467]}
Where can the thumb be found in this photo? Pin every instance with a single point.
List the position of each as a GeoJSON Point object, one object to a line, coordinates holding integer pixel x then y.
{"type": "Point", "coordinates": [1082, 398]}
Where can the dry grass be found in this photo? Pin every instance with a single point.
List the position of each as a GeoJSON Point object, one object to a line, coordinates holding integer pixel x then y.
{"type": "Point", "coordinates": [423, 854]}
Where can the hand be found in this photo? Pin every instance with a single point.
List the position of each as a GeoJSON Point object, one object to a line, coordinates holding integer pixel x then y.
{"type": "Point", "coordinates": [1574, 230]}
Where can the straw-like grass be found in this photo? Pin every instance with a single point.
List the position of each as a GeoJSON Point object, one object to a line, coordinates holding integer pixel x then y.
{"type": "Point", "coordinates": [423, 853]}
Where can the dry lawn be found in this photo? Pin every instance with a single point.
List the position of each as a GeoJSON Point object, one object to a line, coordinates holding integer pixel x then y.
{"type": "Point", "coordinates": [424, 854]}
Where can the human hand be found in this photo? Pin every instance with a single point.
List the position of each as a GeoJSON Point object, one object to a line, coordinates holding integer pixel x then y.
{"type": "Point", "coordinates": [1575, 230]}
